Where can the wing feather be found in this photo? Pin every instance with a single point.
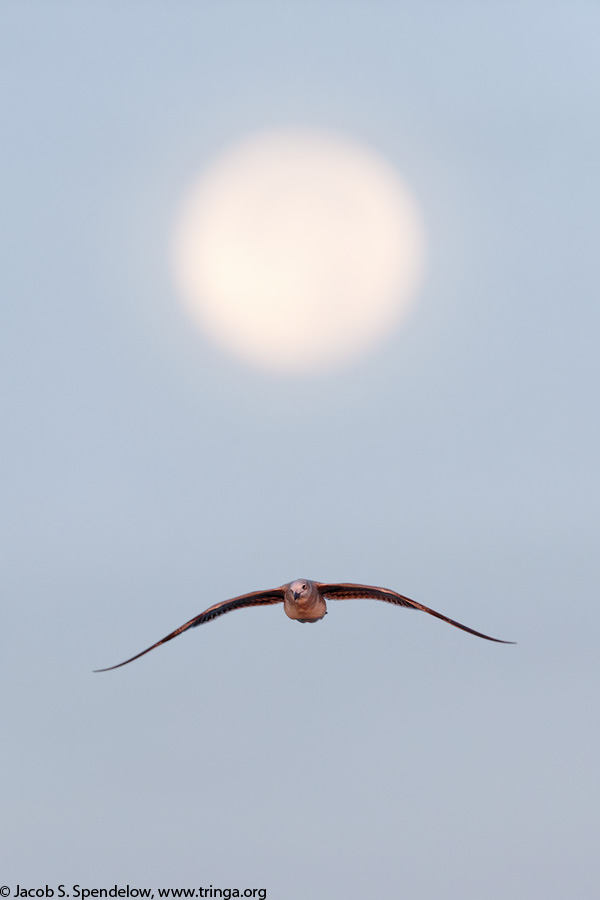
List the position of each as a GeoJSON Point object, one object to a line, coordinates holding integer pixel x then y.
{"type": "Point", "coordinates": [256, 598]}
{"type": "Point", "coordinates": [365, 591]}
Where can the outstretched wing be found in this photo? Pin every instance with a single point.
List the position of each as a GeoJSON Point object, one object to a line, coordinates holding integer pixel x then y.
{"type": "Point", "coordinates": [257, 598]}
{"type": "Point", "coordinates": [358, 591]}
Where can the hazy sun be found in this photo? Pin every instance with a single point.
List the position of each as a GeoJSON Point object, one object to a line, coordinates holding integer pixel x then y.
{"type": "Point", "coordinates": [296, 250]}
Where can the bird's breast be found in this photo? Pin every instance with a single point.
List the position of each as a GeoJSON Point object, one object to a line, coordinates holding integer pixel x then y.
{"type": "Point", "coordinates": [309, 609]}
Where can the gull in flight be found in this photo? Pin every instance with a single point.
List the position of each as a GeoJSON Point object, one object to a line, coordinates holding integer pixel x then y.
{"type": "Point", "coordinates": [304, 601]}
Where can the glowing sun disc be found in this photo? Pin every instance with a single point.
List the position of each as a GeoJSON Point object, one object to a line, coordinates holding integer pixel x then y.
{"type": "Point", "coordinates": [297, 250]}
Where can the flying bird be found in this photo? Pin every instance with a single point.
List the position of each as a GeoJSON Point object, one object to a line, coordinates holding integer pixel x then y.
{"type": "Point", "coordinates": [304, 601]}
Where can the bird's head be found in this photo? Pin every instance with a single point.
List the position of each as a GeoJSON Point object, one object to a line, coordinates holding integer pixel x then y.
{"type": "Point", "coordinates": [300, 589]}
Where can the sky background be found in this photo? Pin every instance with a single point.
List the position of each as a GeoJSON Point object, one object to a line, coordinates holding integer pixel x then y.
{"type": "Point", "coordinates": [146, 474]}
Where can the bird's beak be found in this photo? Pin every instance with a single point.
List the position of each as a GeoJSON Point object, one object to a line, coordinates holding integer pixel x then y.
{"type": "Point", "coordinates": [296, 594]}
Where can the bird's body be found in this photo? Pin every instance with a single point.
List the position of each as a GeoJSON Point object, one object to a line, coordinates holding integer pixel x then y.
{"type": "Point", "coordinates": [305, 601]}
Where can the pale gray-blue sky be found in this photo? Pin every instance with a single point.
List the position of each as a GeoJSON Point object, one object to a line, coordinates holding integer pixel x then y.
{"type": "Point", "coordinates": [147, 475]}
